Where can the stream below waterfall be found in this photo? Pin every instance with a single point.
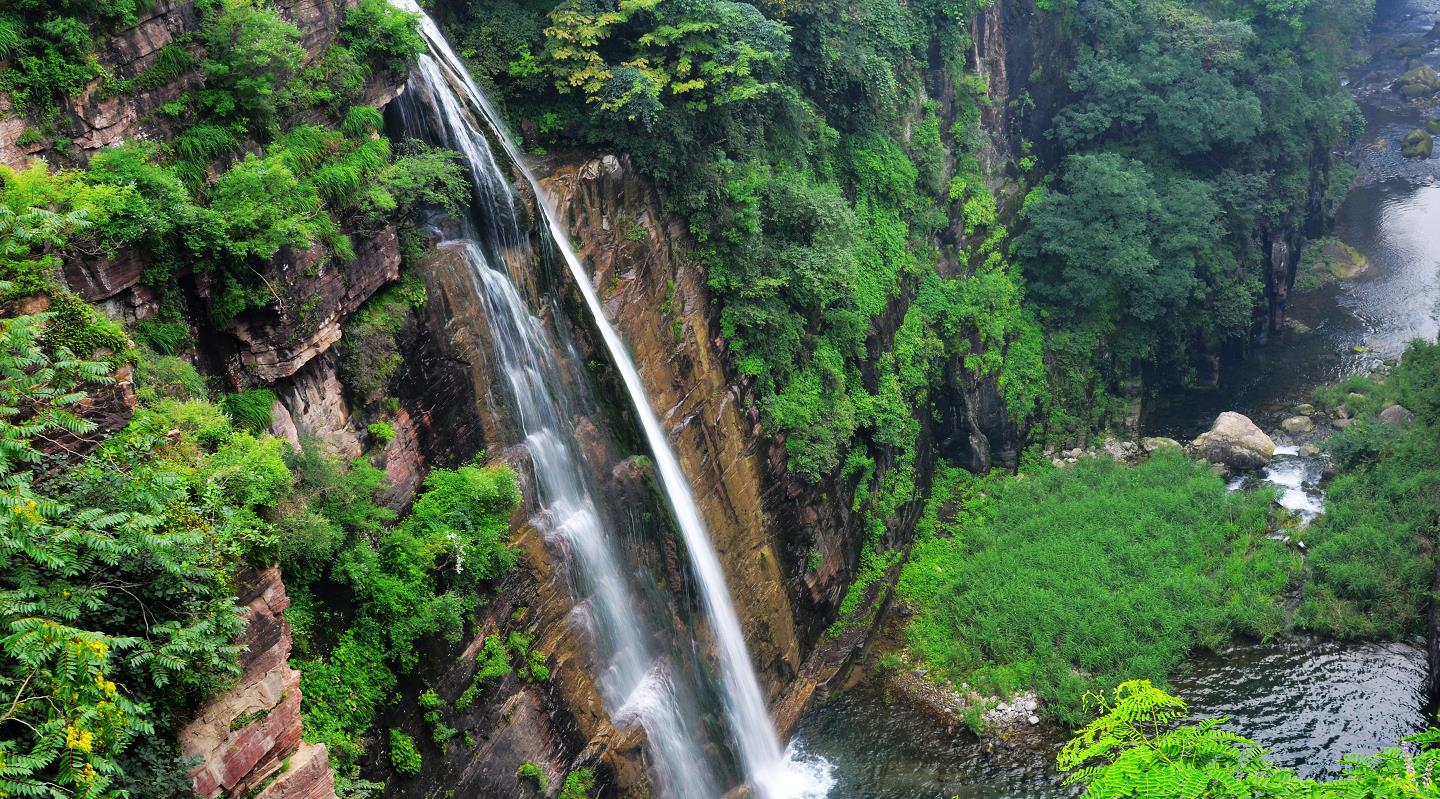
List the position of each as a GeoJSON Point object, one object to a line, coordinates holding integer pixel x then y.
{"type": "Point", "coordinates": [1309, 701]}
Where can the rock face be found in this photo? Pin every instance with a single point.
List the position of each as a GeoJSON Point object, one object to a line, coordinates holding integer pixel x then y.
{"type": "Point", "coordinates": [314, 295]}
{"type": "Point", "coordinates": [1234, 441]}
{"type": "Point", "coordinates": [656, 294]}
{"type": "Point", "coordinates": [249, 736]}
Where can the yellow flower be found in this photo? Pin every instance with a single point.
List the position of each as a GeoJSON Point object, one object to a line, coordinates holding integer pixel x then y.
{"type": "Point", "coordinates": [78, 739]}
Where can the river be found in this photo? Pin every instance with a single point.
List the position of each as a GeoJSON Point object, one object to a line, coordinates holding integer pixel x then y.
{"type": "Point", "coordinates": [1306, 700]}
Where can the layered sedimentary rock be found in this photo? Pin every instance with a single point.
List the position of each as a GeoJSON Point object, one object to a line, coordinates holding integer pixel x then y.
{"type": "Point", "coordinates": [655, 293]}
{"type": "Point", "coordinates": [248, 738]}
{"type": "Point", "coordinates": [314, 293]}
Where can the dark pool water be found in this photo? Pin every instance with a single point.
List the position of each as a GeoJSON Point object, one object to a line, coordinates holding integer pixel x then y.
{"type": "Point", "coordinates": [1308, 701]}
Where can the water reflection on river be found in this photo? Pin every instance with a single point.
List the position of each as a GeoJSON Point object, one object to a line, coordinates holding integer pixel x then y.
{"type": "Point", "coordinates": [1308, 701]}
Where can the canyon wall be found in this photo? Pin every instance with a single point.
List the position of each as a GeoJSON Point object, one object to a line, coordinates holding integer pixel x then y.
{"type": "Point", "coordinates": [790, 549]}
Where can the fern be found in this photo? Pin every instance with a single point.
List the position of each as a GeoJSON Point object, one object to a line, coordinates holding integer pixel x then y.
{"type": "Point", "coordinates": [250, 410]}
{"type": "Point", "coordinates": [1142, 745]}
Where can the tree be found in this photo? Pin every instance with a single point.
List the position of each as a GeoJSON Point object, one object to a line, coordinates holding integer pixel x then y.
{"type": "Point", "coordinates": [105, 609]}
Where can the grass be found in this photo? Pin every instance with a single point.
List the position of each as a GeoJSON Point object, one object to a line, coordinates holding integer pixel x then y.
{"type": "Point", "coordinates": [1068, 580]}
{"type": "Point", "coordinates": [1372, 553]}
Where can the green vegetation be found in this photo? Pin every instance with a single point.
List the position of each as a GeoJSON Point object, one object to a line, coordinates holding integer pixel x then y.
{"type": "Point", "coordinates": [1173, 562]}
{"type": "Point", "coordinates": [369, 350]}
{"type": "Point", "coordinates": [420, 578]}
{"type": "Point", "coordinates": [403, 754]}
{"type": "Point", "coordinates": [1145, 744]}
{"type": "Point", "coordinates": [158, 518]}
{"type": "Point", "coordinates": [382, 432]}
{"type": "Point", "coordinates": [1192, 136]}
{"type": "Point", "coordinates": [1372, 553]}
{"type": "Point", "coordinates": [530, 770]}
{"type": "Point", "coordinates": [250, 410]}
{"type": "Point", "coordinates": [578, 784]}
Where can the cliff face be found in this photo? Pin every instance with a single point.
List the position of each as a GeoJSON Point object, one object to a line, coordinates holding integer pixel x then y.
{"type": "Point", "coordinates": [790, 549]}
{"type": "Point", "coordinates": [248, 738]}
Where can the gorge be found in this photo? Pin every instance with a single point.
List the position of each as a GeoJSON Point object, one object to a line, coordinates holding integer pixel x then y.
{"type": "Point", "coordinates": [714, 399]}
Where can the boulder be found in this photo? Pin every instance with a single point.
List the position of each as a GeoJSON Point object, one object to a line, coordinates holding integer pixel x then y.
{"type": "Point", "coordinates": [1397, 415]}
{"type": "Point", "coordinates": [1308, 450]}
{"type": "Point", "coordinates": [1234, 441]}
{"type": "Point", "coordinates": [1295, 425]}
{"type": "Point", "coordinates": [1121, 451]}
{"type": "Point", "coordinates": [1304, 409]}
{"type": "Point", "coordinates": [1432, 125]}
{"type": "Point", "coordinates": [1417, 144]}
{"type": "Point", "coordinates": [1418, 81]}
{"type": "Point", "coordinates": [1341, 424]}
{"type": "Point", "coordinates": [1152, 443]}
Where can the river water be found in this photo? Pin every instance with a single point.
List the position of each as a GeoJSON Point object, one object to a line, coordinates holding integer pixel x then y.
{"type": "Point", "coordinates": [1306, 700]}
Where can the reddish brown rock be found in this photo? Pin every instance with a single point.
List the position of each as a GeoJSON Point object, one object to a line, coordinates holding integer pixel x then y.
{"type": "Point", "coordinates": [314, 293]}
{"type": "Point", "coordinates": [656, 294]}
{"type": "Point", "coordinates": [101, 278]}
{"type": "Point", "coordinates": [314, 407]}
{"type": "Point", "coordinates": [249, 736]}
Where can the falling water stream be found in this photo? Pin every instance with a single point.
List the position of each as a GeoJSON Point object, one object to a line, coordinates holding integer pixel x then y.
{"type": "Point", "coordinates": [637, 681]}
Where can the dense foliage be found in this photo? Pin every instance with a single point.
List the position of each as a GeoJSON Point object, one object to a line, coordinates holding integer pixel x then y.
{"type": "Point", "coordinates": [118, 609]}
{"type": "Point", "coordinates": [1372, 553]}
{"type": "Point", "coordinates": [1144, 744]}
{"type": "Point", "coordinates": [196, 204]}
{"type": "Point", "coordinates": [825, 191]}
{"type": "Point", "coordinates": [1192, 139]}
{"type": "Point", "coordinates": [821, 203]}
{"type": "Point", "coordinates": [1173, 562]}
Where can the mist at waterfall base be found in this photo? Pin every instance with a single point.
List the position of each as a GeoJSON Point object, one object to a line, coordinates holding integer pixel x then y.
{"type": "Point", "coordinates": [640, 681]}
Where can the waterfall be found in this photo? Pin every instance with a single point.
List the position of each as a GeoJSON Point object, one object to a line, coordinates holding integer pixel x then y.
{"type": "Point", "coordinates": [634, 673]}
{"type": "Point", "coordinates": [635, 681]}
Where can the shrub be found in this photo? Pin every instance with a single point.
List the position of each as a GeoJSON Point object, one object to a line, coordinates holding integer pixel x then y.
{"type": "Point", "coordinates": [251, 53]}
{"type": "Point", "coordinates": [250, 410]}
{"type": "Point", "coordinates": [76, 325]}
{"type": "Point", "coordinates": [403, 754]}
{"type": "Point", "coordinates": [467, 512]}
{"type": "Point", "coordinates": [578, 784]}
{"type": "Point", "coordinates": [369, 349]}
{"type": "Point", "coordinates": [379, 32]}
{"type": "Point", "coordinates": [166, 338]}
{"type": "Point", "coordinates": [1372, 552]}
{"type": "Point", "coordinates": [382, 432]}
{"type": "Point", "coordinates": [530, 770]}
{"type": "Point", "coordinates": [170, 377]}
